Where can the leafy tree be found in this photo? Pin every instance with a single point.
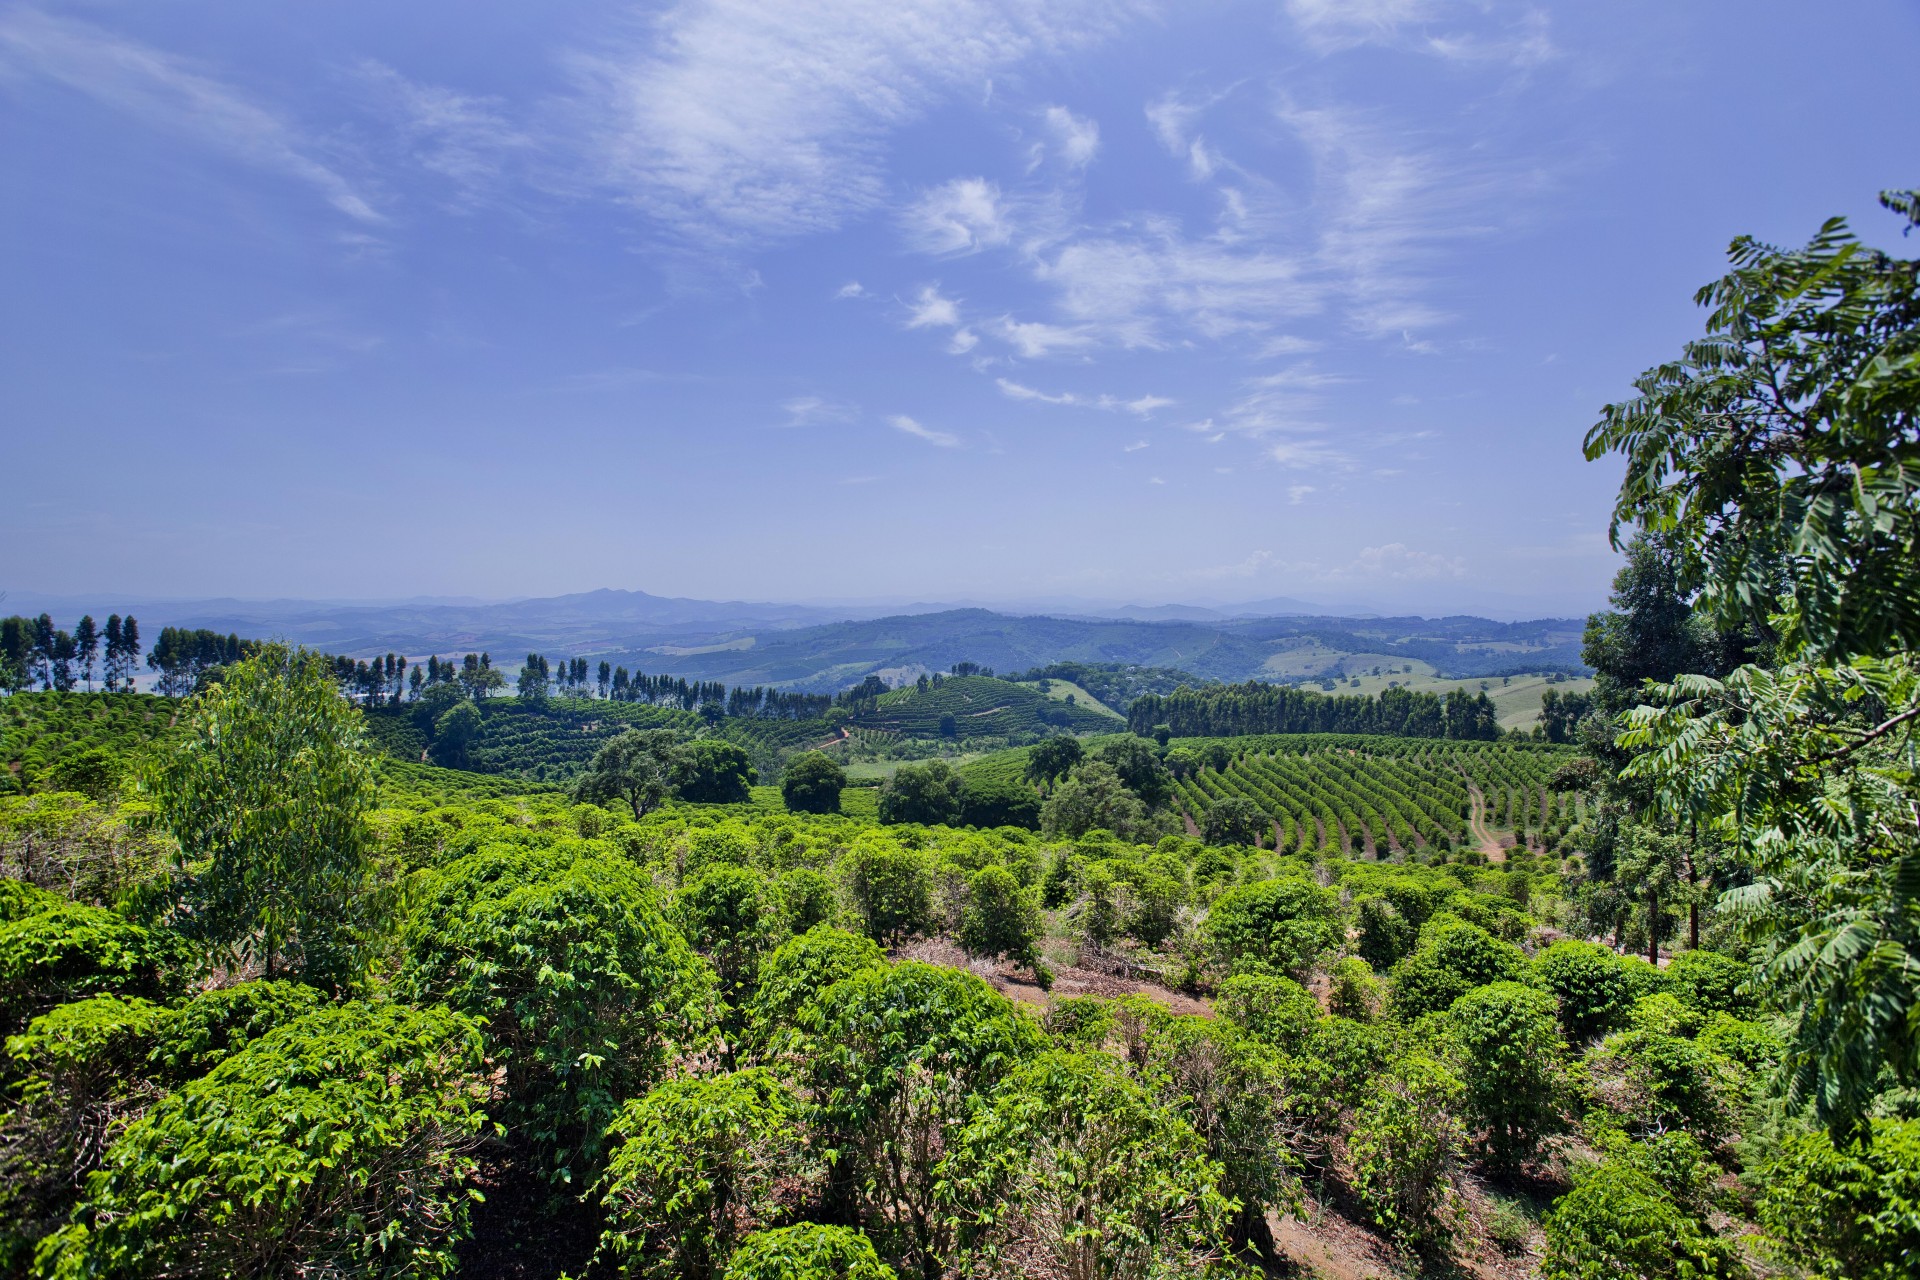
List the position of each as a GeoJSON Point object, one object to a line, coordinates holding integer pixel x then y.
{"type": "Point", "coordinates": [699, 1164]}
{"type": "Point", "coordinates": [454, 733]}
{"type": "Point", "coordinates": [891, 887]}
{"type": "Point", "coordinates": [86, 649]}
{"type": "Point", "coordinates": [1275, 926]}
{"type": "Point", "coordinates": [638, 767]}
{"type": "Point", "coordinates": [1140, 769]}
{"type": "Point", "coordinates": [712, 771]}
{"type": "Point", "coordinates": [267, 792]}
{"type": "Point", "coordinates": [1778, 455]}
{"type": "Point", "coordinates": [1851, 1212]}
{"type": "Point", "coordinates": [899, 1053]}
{"type": "Point", "coordinates": [1510, 1066]}
{"type": "Point", "coordinates": [339, 1143]}
{"type": "Point", "coordinates": [586, 990]}
{"type": "Point", "coordinates": [1051, 759]}
{"type": "Point", "coordinates": [1074, 1160]}
{"type": "Point", "coordinates": [998, 803]}
{"type": "Point", "coordinates": [813, 783]}
{"type": "Point", "coordinates": [925, 793]}
{"type": "Point", "coordinates": [1236, 821]}
{"type": "Point", "coordinates": [1092, 799]}
{"type": "Point", "coordinates": [1002, 919]}
{"type": "Point", "coordinates": [807, 1251]}
{"type": "Point", "coordinates": [1785, 438]}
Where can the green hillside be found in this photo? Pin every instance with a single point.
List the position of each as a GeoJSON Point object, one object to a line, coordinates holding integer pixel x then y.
{"type": "Point", "coordinates": [978, 707]}
{"type": "Point", "coordinates": [36, 729]}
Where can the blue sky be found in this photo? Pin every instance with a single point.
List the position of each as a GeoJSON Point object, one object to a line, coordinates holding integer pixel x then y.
{"type": "Point", "coordinates": [993, 299]}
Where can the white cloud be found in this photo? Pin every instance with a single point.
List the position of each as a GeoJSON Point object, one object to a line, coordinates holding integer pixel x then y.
{"type": "Point", "coordinates": [1142, 406]}
{"type": "Point", "coordinates": [1331, 25]}
{"type": "Point", "coordinates": [1307, 455]}
{"type": "Point", "coordinates": [1297, 493]}
{"type": "Point", "coordinates": [812, 411]}
{"type": "Point", "coordinates": [1173, 118]}
{"type": "Point", "coordinates": [1075, 138]}
{"type": "Point", "coordinates": [963, 215]}
{"type": "Point", "coordinates": [1155, 480]}
{"type": "Point", "coordinates": [163, 92]}
{"type": "Point", "coordinates": [1135, 447]}
{"type": "Point", "coordinates": [901, 422]}
{"type": "Point", "coordinates": [1145, 405]}
{"type": "Point", "coordinates": [1037, 340]}
{"type": "Point", "coordinates": [932, 310]}
{"type": "Point", "coordinates": [1396, 562]}
{"type": "Point", "coordinates": [464, 139]}
{"type": "Point", "coordinates": [740, 120]}
{"type": "Point", "coordinates": [1014, 391]}
{"type": "Point", "coordinates": [851, 289]}
{"type": "Point", "coordinates": [963, 341]}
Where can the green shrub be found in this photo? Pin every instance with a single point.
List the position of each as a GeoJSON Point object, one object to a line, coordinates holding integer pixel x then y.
{"type": "Point", "coordinates": [1273, 927]}
{"type": "Point", "coordinates": [1002, 919]}
{"type": "Point", "coordinates": [1406, 1146]}
{"type": "Point", "coordinates": [82, 1072]}
{"type": "Point", "coordinates": [891, 887]}
{"type": "Point", "coordinates": [1080, 1023]}
{"type": "Point", "coordinates": [808, 898]}
{"type": "Point", "coordinates": [1386, 936]}
{"type": "Point", "coordinates": [1510, 1066]}
{"type": "Point", "coordinates": [1074, 1160]}
{"type": "Point", "coordinates": [731, 916]}
{"type": "Point", "coordinates": [698, 1164]}
{"type": "Point", "coordinates": [1620, 1221]}
{"type": "Point", "coordinates": [1590, 985]}
{"type": "Point", "coordinates": [1452, 959]}
{"type": "Point", "coordinates": [586, 990]}
{"type": "Point", "coordinates": [1852, 1212]}
{"type": "Point", "coordinates": [195, 1037]}
{"type": "Point", "coordinates": [899, 1054]}
{"type": "Point", "coordinates": [1670, 1083]}
{"type": "Point", "coordinates": [337, 1144]}
{"type": "Point", "coordinates": [1273, 1010]}
{"type": "Point", "coordinates": [71, 951]}
{"type": "Point", "coordinates": [1709, 982]}
{"type": "Point", "coordinates": [808, 1251]}
{"type": "Point", "coordinates": [1355, 993]}
{"type": "Point", "coordinates": [795, 973]}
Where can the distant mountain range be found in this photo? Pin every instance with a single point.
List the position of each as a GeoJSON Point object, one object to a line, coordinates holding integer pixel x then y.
{"type": "Point", "coordinates": [822, 648]}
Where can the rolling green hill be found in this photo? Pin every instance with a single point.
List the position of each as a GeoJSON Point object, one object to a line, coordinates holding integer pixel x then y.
{"type": "Point", "coordinates": [979, 707]}
{"type": "Point", "coordinates": [37, 728]}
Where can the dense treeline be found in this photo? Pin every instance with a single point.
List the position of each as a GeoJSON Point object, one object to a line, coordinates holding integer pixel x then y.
{"type": "Point", "coordinates": [1115, 684]}
{"type": "Point", "coordinates": [1231, 710]}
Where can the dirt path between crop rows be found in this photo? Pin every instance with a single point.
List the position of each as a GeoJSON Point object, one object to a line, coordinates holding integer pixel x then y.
{"type": "Point", "coordinates": [1482, 833]}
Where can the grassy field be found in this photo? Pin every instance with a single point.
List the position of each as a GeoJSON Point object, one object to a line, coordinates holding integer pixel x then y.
{"type": "Point", "coordinates": [1516, 699]}
{"type": "Point", "coordinates": [1061, 690]}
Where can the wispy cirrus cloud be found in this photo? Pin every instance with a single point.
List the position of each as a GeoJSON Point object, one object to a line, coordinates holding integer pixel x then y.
{"type": "Point", "coordinates": [813, 411]}
{"type": "Point", "coordinates": [168, 93]}
{"type": "Point", "coordinates": [739, 121]}
{"type": "Point", "coordinates": [1075, 139]}
{"type": "Point", "coordinates": [466, 139]}
{"type": "Point", "coordinates": [1140, 406]}
{"type": "Point", "coordinates": [909, 426]}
